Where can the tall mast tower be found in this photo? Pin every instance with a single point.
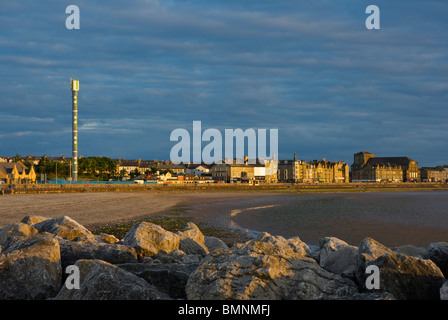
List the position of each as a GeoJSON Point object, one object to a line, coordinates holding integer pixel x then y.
{"type": "Point", "coordinates": [75, 88]}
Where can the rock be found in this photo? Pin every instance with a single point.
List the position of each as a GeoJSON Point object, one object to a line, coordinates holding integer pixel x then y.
{"type": "Point", "coordinates": [337, 256]}
{"type": "Point", "coordinates": [438, 253]}
{"type": "Point", "coordinates": [191, 240]}
{"type": "Point", "coordinates": [108, 238]}
{"type": "Point", "coordinates": [169, 273]}
{"type": "Point", "coordinates": [30, 220]}
{"type": "Point", "coordinates": [72, 251]}
{"type": "Point", "coordinates": [265, 268]}
{"type": "Point", "coordinates": [267, 244]}
{"type": "Point", "coordinates": [409, 278]}
{"type": "Point", "coordinates": [192, 231]}
{"type": "Point", "coordinates": [372, 296]}
{"type": "Point", "coordinates": [213, 243]}
{"type": "Point", "coordinates": [65, 227]}
{"type": "Point", "coordinates": [410, 250]}
{"type": "Point", "coordinates": [177, 256]}
{"type": "Point", "coordinates": [31, 268]}
{"type": "Point", "coordinates": [100, 280]}
{"type": "Point", "coordinates": [190, 246]}
{"type": "Point", "coordinates": [444, 291]}
{"type": "Point", "coordinates": [13, 232]}
{"type": "Point", "coordinates": [373, 248]}
{"type": "Point", "coordinates": [102, 238]}
{"type": "Point", "coordinates": [368, 250]}
{"type": "Point", "coordinates": [148, 239]}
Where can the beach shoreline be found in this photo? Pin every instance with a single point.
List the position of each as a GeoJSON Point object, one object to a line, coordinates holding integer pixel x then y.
{"type": "Point", "coordinates": [225, 213]}
{"type": "Point", "coordinates": [94, 208]}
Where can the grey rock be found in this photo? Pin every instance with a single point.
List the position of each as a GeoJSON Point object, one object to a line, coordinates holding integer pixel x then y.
{"type": "Point", "coordinates": [438, 253]}
{"type": "Point", "coordinates": [265, 268]}
{"type": "Point", "coordinates": [213, 243]}
{"type": "Point", "coordinates": [64, 227]}
{"type": "Point", "coordinates": [368, 250]}
{"type": "Point", "coordinates": [72, 251]}
{"type": "Point", "coordinates": [148, 239]}
{"type": "Point", "coordinates": [168, 277]}
{"type": "Point", "coordinates": [191, 240]}
{"type": "Point", "coordinates": [14, 232]}
{"type": "Point", "coordinates": [267, 244]}
{"type": "Point", "coordinates": [409, 278]}
{"type": "Point", "coordinates": [444, 291]}
{"type": "Point", "coordinates": [410, 250]}
{"type": "Point", "coordinates": [337, 256]}
{"type": "Point", "coordinates": [100, 280]}
{"type": "Point", "coordinates": [31, 220]}
{"type": "Point", "coordinates": [30, 269]}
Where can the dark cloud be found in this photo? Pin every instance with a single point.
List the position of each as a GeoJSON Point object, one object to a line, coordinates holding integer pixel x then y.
{"type": "Point", "coordinates": [308, 68]}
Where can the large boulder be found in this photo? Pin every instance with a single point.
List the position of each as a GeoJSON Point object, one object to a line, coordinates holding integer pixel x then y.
{"type": "Point", "coordinates": [191, 240]}
{"type": "Point", "coordinates": [148, 239]}
{"type": "Point", "coordinates": [213, 243]}
{"type": "Point", "coordinates": [169, 273]}
{"type": "Point", "coordinates": [64, 227]}
{"type": "Point", "coordinates": [405, 277]}
{"type": "Point", "coordinates": [31, 220]}
{"type": "Point", "coordinates": [265, 268]}
{"type": "Point", "coordinates": [368, 250]}
{"type": "Point", "coordinates": [411, 250]}
{"type": "Point", "coordinates": [444, 291]}
{"type": "Point", "coordinates": [30, 268]}
{"type": "Point", "coordinates": [100, 280]}
{"type": "Point", "coordinates": [72, 251]}
{"type": "Point", "coordinates": [409, 278]}
{"type": "Point", "coordinates": [13, 232]}
{"type": "Point", "coordinates": [267, 244]}
{"type": "Point", "coordinates": [337, 256]}
{"type": "Point", "coordinates": [438, 253]}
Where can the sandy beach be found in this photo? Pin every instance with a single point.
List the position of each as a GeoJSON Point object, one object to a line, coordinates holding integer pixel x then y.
{"type": "Point", "coordinates": [340, 215]}
{"type": "Point", "coordinates": [96, 208]}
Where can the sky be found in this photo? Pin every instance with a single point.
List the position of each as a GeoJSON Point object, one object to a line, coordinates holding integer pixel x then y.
{"type": "Point", "coordinates": [310, 69]}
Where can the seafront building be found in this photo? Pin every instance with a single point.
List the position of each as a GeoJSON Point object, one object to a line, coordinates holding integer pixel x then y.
{"type": "Point", "coordinates": [261, 171]}
{"type": "Point", "coordinates": [321, 171]}
{"type": "Point", "coordinates": [434, 174]}
{"type": "Point", "coordinates": [367, 167]}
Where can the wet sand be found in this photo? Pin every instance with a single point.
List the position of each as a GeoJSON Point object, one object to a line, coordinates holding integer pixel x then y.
{"type": "Point", "coordinates": [394, 219]}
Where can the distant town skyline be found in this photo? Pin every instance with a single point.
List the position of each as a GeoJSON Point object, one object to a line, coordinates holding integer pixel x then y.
{"type": "Point", "coordinates": [312, 70]}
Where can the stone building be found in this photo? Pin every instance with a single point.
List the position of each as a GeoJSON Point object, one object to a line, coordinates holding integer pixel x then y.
{"type": "Point", "coordinates": [291, 170]}
{"type": "Point", "coordinates": [233, 172]}
{"type": "Point", "coordinates": [434, 174]}
{"type": "Point", "coordinates": [367, 167]}
{"type": "Point", "coordinates": [262, 171]}
{"type": "Point", "coordinates": [322, 171]}
{"type": "Point", "coordinates": [329, 171]}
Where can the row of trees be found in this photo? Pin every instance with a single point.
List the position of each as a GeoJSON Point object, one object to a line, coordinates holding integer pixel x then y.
{"type": "Point", "coordinates": [96, 168]}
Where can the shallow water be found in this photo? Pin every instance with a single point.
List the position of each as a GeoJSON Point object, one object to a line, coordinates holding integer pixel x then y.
{"type": "Point", "coordinates": [392, 218]}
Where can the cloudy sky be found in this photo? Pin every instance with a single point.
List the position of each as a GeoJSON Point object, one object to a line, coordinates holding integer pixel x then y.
{"type": "Point", "coordinates": [310, 69]}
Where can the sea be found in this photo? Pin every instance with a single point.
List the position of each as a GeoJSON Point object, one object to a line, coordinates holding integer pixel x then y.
{"type": "Point", "coordinates": [394, 219]}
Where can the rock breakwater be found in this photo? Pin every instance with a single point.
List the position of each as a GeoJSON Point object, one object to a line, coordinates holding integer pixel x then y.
{"type": "Point", "coordinates": [153, 263]}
